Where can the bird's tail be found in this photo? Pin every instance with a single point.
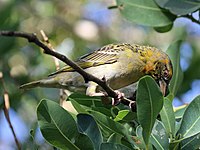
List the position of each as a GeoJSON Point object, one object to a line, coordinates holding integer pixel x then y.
{"type": "Point", "coordinates": [30, 85]}
{"type": "Point", "coordinates": [49, 82]}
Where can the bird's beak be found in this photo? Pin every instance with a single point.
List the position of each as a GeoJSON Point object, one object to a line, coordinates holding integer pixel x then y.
{"type": "Point", "coordinates": [163, 86]}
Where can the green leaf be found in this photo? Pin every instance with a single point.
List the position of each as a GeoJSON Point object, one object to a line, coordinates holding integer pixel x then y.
{"type": "Point", "coordinates": [115, 138]}
{"type": "Point", "coordinates": [57, 125]}
{"type": "Point", "coordinates": [168, 117]}
{"type": "Point", "coordinates": [159, 136]}
{"type": "Point", "coordinates": [103, 110]}
{"type": "Point", "coordinates": [191, 143]}
{"type": "Point", "coordinates": [126, 143]}
{"type": "Point", "coordinates": [149, 103]}
{"type": "Point", "coordinates": [113, 146]}
{"type": "Point", "coordinates": [179, 7]}
{"type": "Point", "coordinates": [174, 53]}
{"type": "Point", "coordinates": [164, 28]}
{"type": "Point", "coordinates": [190, 124]}
{"type": "Point", "coordinates": [179, 113]}
{"type": "Point", "coordinates": [140, 140]}
{"type": "Point", "coordinates": [125, 115]}
{"type": "Point", "coordinates": [175, 145]}
{"type": "Point", "coordinates": [86, 100]}
{"type": "Point", "coordinates": [88, 126]}
{"type": "Point", "coordinates": [111, 125]}
{"type": "Point", "coordinates": [145, 12]}
{"type": "Point", "coordinates": [178, 125]}
{"type": "Point", "coordinates": [78, 107]}
{"type": "Point", "coordinates": [83, 140]}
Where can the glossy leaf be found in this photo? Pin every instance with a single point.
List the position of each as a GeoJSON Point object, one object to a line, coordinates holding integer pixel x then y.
{"type": "Point", "coordinates": [174, 53]}
{"type": "Point", "coordinates": [126, 143]}
{"type": "Point", "coordinates": [86, 100]}
{"type": "Point", "coordinates": [83, 140]}
{"type": "Point", "coordinates": [191, 143]}
{"type": "Point", "coordinates": [145, 12]}
{"type": "Point", "coordinates": [190, 124]}
{"type": "Point", "coordinates": [175, 145]}
{"type": "Point", "coordinates": [103, 110]}
{"type": "Point", "coordinates": [141, 143]}
{"type": "Point", "coordinates": [78, 107]}
{"type": "Point", "coordinates": [57, 125]}
{"type": "Point", "coordinates": [168, 117]}
{"type": "Point", "coordinates": [149, 104]}
{"type": "Point", "coordinates": [115, 138]}
{"type": "Point", "coordinates": [111, 125]}
{"type": "Point", "coordinates": [164, 28]}
{"type": "Point", "coordinates": [125, 115]}
{"type": "Point", "coordinates": [179, 113]}
{"type": "Point", "coordinates": [159, 136]}
{"type": "Point", "coordinates": [178, 125]}
{"type": "Point", "coordinates": [113, 146]}
{"type": "Point", "coordinates": [88, 126]}
{"type": "Point", "coordinates": [179, 7]}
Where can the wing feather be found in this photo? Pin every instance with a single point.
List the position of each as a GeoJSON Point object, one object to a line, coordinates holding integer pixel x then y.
{"type": "Point", "coordinates": [105, 55]}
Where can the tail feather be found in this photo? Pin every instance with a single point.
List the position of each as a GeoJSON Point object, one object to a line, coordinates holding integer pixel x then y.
{"type": "Point", "coordinates": [30, 85]}
{"type": "Point", "coordinates": [50, 82]}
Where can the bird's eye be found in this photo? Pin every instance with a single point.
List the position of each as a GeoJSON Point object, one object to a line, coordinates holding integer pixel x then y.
{"type": "Point", "coordinates": [166, 75]}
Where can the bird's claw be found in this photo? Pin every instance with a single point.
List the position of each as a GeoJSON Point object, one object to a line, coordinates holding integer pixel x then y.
{"type": "Point", "coordinates": [117, 100]}
{"type": "Point", "coordinates": [132, 104]}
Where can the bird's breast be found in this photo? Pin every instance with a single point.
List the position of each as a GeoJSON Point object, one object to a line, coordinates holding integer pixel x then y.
{"type": "Point", "coordinates": [118, 74]}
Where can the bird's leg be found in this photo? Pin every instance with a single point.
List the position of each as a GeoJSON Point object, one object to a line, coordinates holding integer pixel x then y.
{"type": "Point", "coordinates": [132, 106]}
{"type": "Point", "coordinates": [91, 90]}
{"type": "Point", "coordinates": [117, 100]}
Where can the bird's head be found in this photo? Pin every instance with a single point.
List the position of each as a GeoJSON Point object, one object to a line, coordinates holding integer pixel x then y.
{"type": "Point", "coordinates": [161, 70]}
{"type": "Point", "coordinates": [162, 74]}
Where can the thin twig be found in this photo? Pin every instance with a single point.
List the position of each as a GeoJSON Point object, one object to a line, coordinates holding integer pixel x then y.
{"type": "Point", "coordinates": [6, 111]}
{"type": "Point", "coordinates": [191, 18]}
{"type": "Point", "coordinates": [87, 77]}
{"type": "Point", "coordinates": [56, 62]}
{"type": "Point", "coordinates": [46, 39]}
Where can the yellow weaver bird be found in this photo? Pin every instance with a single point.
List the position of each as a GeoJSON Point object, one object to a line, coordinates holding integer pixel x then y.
{"type": "Point", "coordinates": [120, 64]}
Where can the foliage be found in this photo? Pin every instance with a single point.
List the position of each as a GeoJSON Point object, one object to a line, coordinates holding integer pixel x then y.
{"type": "Point", "coordinates": [95, 125]}
{"type": "Point", "coordinates": [159, 14]}
{"type": "Point", "coordinates": [145, 131]}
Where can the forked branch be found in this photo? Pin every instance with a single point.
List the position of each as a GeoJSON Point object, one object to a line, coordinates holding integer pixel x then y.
{"type": "Point", "coordinates": [31, 37]}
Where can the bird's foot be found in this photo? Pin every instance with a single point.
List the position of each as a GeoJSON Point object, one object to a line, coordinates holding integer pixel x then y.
{"type": "Point", "coordinates": [117, 100]}
{"type": "Point", "coordinates": [132, 106]}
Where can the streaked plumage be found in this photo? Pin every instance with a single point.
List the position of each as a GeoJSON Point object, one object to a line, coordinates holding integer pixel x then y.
{"type": "Point", "coordinates": [120, 64]}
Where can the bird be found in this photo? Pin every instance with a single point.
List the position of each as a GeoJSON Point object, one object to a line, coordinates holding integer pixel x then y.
{"type": "Point", "coordinates": [120, 64]}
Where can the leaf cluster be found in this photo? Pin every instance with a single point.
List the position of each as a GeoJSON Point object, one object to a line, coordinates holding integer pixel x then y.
{"type": "Point", "coordinates": [159, 14]}
{"type": "Point", "coordinates": [96, 126]}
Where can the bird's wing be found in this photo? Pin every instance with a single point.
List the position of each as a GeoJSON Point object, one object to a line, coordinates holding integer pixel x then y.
{"type": "Point", "coordinates": [105, 55]}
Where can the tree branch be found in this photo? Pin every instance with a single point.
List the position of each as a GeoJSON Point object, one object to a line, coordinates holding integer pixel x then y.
{"type": "Point", "coordinates": [56, 62]}
{"type": "Point", "coordinates": [6, 111]}
{"type": "Point", "coordinates": [191, 18]}
{"type": "Point", "coordinates": [31, 37]}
